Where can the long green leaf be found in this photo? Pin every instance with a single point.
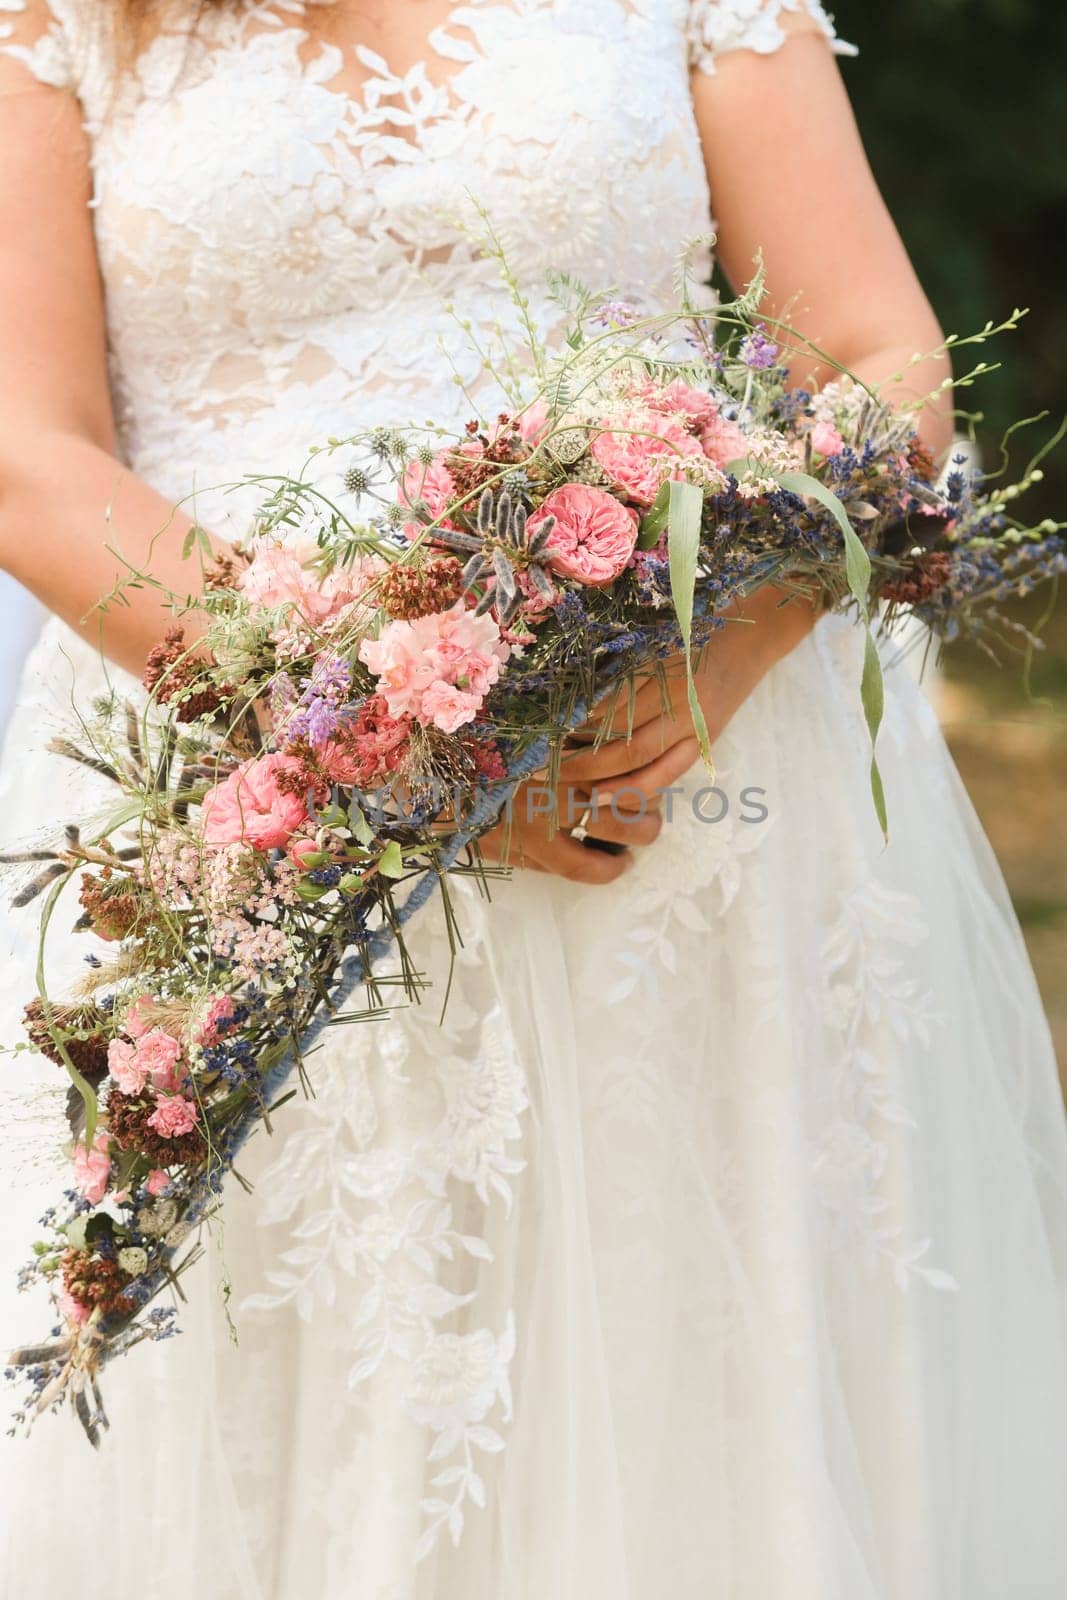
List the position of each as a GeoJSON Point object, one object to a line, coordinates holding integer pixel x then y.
{"type": "Point", "coordinates": [858, 573]}
{"type": "Point", "coordinates": [84, 1088]}
{"type": "Point", "coordinates": [683, 547]}
{"type": "Point", "coordinates": [655, 519]}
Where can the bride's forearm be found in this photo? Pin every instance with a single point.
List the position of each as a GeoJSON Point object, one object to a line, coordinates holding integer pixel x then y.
{"type": "Point", "coordinates": [76, 527]}
{"type": "Point", "coordinates": [905, 382]}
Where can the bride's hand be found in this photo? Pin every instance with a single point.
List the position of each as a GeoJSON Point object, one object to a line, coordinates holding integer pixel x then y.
{"type": "Point", "coordinates": [759, 631]}
{"type": "Point", "coordinates": [647, 752]}
{"type": "Point", "coordinates": [538, 837]}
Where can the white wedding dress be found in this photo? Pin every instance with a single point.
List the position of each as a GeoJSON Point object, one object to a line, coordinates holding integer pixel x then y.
{"type": "Point", "coordinates": [715, 1242]}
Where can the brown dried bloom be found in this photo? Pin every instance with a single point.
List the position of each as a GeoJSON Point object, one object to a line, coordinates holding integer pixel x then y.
{"type": "Point", "coordinates": [408, 591]}
{"type": "Point", "coordinates": [113, 907]}
{"type": "Point", "coordinates": [177, 678]}
{"type": "Point", "coordinates": [88, 1055]}
{"type": "Point", "coordinates": [930, 573]}
{"type": "Point", "coordinates": [127, 1123]}
{"type": "Point", "coordinates": [96, 1281]}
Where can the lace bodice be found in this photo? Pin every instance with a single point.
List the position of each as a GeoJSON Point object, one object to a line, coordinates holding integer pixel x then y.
{"type": "Point", "coordinates": [285, 259]}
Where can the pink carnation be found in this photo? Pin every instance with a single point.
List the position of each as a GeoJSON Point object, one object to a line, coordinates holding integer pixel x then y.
{"type": "Point", "coordinates": [282, 575]}
{"type": "Point", "coordinates": [649, 449]}
{"type": "Point", "coordinates": [174, 1115]}
{"type": "Point", "coordinates": [675, 398]}
{"type": "Point", "coordinates": [594, 536]}
{"type": "Point", "coordinates": [72, 1309]}
{"type": "Point", "coordinates": [369, 747]}
{"type": "Point", "coordinates": [209, 1021]}
{"type": "Point", "coordinates": [92, 1169]}
{"type": "Point", "coordinates": [447, 707]}
{"type": "Point", "coordinates": [136, 1022]}
{"type": "Point", "coordinates": [249, 808]}
{"type": "Point", "coordinates": [157, 1181]}
{"type": "Point", "coordinates": [722, 441]}
{"type": "Point", "coordinates": [453, 648]}
{"type": "Point", "coordinates": [826, 439]}
{"type": "Point", "coordinates": [158, 1054]}
{"type": "Point", "coordinates": [129, 1074]}
{"type": "Point", "coordinates": [531, 422]}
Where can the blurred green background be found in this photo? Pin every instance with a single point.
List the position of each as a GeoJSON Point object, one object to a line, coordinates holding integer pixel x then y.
{"type": "Point", "coordinates": [963, 109]}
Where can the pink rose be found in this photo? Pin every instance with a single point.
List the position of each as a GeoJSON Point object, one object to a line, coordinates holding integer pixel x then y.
{"type": "Point", "coordinates": [447, 707]}
{"type": "Point", "coordinates": [174, 1115]}
{"type": "Point", "coordinates": [157, 1182]}
{"type": "Point", "coordinates": [209, 1021]}
{"type": "Point", "coordinates": [648, 449]}
{"type": "Point", "coordinates": [92, 1168]}
{"type": "Point", "coordinates": [250, 808]}
{"type": "Point", "coordinates": [72, 1309]}
{"type": "Point", "coordinates": [594, 536]}
{"type": "Point", "coordinates": [826, 439]}
{"type": "Point", "coordinates": [157, 1055]}
{"type": "Point", "coordinates": [129, 1074]}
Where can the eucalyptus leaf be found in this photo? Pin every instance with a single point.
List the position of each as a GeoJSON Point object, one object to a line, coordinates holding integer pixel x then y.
{"type": "Point", "coordinates": [391, 862]}
{"type": "Point", "coordinates": [684, 506]}
{"type": "Point", "coordinates": [655, 519]}
{"type": "Point", "coordinates": [359, 824]}
{"type": "Point", "coordinates": [858, 573]}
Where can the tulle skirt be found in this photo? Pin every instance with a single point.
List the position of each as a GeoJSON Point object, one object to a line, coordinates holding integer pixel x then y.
{"type": "Point", "coordinates": [713, 1242]}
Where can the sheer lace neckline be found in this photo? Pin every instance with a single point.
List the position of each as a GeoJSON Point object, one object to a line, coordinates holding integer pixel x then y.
{"type": "Point", "coordinates": [404, 80]}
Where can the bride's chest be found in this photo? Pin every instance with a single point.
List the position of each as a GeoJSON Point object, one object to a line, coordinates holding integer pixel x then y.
{"type": "Point", "coordinates": [260, 150]}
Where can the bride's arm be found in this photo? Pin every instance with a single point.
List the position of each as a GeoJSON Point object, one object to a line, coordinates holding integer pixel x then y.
{"type": "Point", "coordinates": [789, 180]}
{"type": "Point", "coordinates": [64, 498]}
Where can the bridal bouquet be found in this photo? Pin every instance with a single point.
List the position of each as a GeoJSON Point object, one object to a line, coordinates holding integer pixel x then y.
{"type": "Point", "coordinates": [377, 674]}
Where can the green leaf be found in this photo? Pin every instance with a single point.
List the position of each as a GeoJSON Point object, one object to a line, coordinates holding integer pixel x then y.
{"type": "Point", "coordinates": [359, 824]}
{"type": "Point", "coordinates": [84, 1088]}
{"type": "Point", "coordinates": [858, 573]}
{"type": "Point", "coordinates": [655, 519]}
{"type": "Point", "coordinates": [685, 504]}
{"type": "Point", "coordinates": [391, 862]}
{"type": "Point", "coordinates": [351, 883]}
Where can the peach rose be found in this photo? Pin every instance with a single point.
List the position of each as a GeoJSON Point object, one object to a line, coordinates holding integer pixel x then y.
{"type": "Point", "coordinates": [249, 808]}
{"type": "Point", "coordinates": [594, 536]}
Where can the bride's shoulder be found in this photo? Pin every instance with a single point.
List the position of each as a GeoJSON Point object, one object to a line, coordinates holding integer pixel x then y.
{"type": "Point", "coordinates": [717, 26]}
{"type": "Point", "coordinates": [64, 43]}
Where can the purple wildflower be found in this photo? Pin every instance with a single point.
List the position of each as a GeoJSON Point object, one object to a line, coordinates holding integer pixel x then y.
{"type": "Point", "coordinates": [757, 351]}
{"type": "Point", "coordinates": [615, 314]}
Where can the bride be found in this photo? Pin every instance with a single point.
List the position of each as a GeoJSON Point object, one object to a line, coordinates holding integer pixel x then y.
{"type": "Point", "coordinates": [715, 1241]}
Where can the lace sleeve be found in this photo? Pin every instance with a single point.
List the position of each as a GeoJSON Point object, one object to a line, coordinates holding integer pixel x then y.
{"type": "Point", "coordinates": [40, 35]}
{"type": "Point", "coordinates": [716, 26]}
